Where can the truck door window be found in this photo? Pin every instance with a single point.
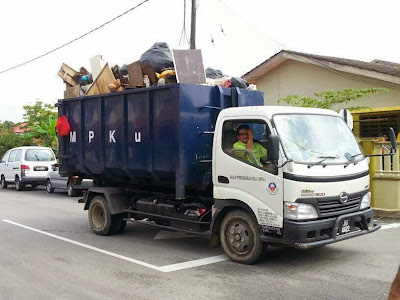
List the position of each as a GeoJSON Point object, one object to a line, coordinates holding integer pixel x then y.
{"type": "Point", "coordinates": [237, 135]}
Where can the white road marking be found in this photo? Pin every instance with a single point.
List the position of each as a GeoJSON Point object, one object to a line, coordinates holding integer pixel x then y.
{"type": "Point", "coordinates": [194, 263]}
{"type": "Point", "coordinates": [164, 234]}
{"type": "Point", "coordinates": [388, 226]}
{"type": "Point", "coordinates": [164, 269]}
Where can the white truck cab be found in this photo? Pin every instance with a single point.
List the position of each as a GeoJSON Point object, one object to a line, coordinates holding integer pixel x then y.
{"type": "Point", "coordinates": [313, 188]}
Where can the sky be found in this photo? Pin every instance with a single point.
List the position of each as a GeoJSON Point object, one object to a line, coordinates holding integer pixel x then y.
{"type": "Point", "coordinates": [252, 31]}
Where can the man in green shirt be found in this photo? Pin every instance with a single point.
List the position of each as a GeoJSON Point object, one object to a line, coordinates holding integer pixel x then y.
{"type": "Point", "coordinates": [245, 137]}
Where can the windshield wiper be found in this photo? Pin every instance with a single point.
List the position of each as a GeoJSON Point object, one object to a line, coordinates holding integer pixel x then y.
{"type": "Point", "coordinates": [322, 160]}
{"type": "Point", "coordinates": [351, 157]}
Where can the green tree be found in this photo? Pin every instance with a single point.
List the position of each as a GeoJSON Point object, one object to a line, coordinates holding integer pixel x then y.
{"type": "Point", "coordinates": [6, 125]}
{"type": "Point", "coordinates": [41, 120]}
{"type": "Point", "coordinates": [44, 132]}
{"type": "Point", "coordinates": [327, 99]}
{"type": "Point", "coordinates": [8, 140]}
{"type": "Point", "coordinates": [38, 112]}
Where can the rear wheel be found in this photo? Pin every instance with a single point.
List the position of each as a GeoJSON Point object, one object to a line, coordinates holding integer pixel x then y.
{"type": "Point", "coordinates": [3, 182]}
{"type": "Point", "coordinates": [71, 191]}
{"type": "Point", "coordinates": [19, 186]}
{"type": "Point", "coordinates": [49, 186]}
{"type": "Point", "coordinates": [118, 223]}
{"type": "Point", "coordinates": [240, 237]}
{"type": "Point", "coordinates": [100, 218]}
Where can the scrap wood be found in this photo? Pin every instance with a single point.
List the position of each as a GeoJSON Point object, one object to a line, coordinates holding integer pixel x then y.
{"type": "Point", "coordinates": [148, 70]}
{"type": "Point", "coordinates": [72, 92]}
{"type": "Point", "coordinates": [99, 86]}
{"type": "Point", "coordinates": [83, 71]}
{"type": "Point", "coordinates": [135, 74]}
{"type": "Point", "coordinates": [68, 74]}
{"type": "Point", "coordinates": [118, 75]}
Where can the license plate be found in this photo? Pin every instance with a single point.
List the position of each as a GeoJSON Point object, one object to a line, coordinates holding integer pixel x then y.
{"type": "Point", "coordinates": [40, 168]}
{"type": "Point", "coordinates": [345, 226]}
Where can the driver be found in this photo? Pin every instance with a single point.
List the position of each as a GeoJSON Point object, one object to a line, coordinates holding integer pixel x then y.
{"type": "Point", "coordinates": [246, 141]}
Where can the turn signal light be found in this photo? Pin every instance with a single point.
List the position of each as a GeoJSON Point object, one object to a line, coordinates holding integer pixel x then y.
{"type": "Point", "coordinates": [24, 167]}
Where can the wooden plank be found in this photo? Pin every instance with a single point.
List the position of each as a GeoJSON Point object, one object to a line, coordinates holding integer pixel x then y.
{"type": "Point", "coordinates": [67, 69]}
{"type": "Point", "coordinates": [68, 74]}
{"type": "Point", "coordinates": [99, 86]}
{"type": "Point", "coordinates": [69, 79]}
{"type": "Point", "coordinates": [135, 74]}
{"type": "Point", "coordinates": [189, 66]}
{"type": "Point", "coordinates": [72, 92]}
{"type": "Point", "coordinates": [148, 70]}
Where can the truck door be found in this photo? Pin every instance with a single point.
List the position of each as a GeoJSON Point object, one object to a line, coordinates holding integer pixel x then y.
{"type": "Point", "coordinates": [247, 175]}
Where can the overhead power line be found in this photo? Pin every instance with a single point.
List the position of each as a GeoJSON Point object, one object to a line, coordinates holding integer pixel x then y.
{"type": "Point", "coordinates": [74, 40]}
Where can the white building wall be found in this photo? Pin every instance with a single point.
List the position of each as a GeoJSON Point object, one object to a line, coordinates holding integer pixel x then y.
{"type": "Point", "coordinates": [298, 78]}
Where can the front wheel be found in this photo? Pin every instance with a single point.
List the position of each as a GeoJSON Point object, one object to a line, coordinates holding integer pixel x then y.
{"type": "Point", "coordinates": [240, 237]}
{"type": "Point", "coordinates": [3, 183]}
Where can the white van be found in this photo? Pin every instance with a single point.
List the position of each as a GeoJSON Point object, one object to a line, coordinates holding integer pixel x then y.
{"type": "Point", "coordinates": [26, 165]}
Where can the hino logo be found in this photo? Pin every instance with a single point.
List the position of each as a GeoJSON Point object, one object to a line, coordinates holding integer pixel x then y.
{"type": "Point", "coordinates": [343, 197]}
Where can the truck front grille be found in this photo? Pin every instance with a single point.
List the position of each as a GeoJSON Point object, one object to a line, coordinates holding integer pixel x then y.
{"type": "Point", "coordinates": [329, 208]}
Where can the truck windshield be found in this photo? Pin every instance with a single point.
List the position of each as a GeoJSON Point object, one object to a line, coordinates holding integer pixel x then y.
{"type": "Point", "coordinates": [317, 139]}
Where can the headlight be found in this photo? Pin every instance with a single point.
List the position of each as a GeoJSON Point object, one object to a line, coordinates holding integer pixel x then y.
{"type": "Point", "coordinates": [299, 211]}
{"type": "Point", "coordinates": [366, 201]}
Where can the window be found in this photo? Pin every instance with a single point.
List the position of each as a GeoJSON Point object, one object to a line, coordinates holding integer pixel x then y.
{"type": "Point", "coordinates": [5, 157]}
{"type": "Point", "coordinates": [18, 156]}
{"type": "Point", "coordinates": [308, 138]}
{"type": "Point", "coordinates": [39, 155]}
{"type": "Point", "coordinates": [378, 124]}
{"type": "Point", "coordinates": [237, 134]}
{"type": "Point", "coordinates": [12, 156]}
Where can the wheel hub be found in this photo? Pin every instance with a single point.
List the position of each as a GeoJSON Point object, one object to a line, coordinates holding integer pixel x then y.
{"type": "Point", "coordinates": [239, 237]}
{"type": "Point", "coordinates": [98, 217]}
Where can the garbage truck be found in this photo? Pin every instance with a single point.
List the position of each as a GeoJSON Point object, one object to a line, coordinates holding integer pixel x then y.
{"type": "Point", "coordinates": [166, 156]}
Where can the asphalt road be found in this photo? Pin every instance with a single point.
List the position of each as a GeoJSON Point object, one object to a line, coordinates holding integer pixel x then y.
{"type": "Point", "coordinates": [47, 251]}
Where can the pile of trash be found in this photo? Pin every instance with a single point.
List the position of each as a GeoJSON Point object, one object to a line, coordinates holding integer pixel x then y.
{"type": "Point", "coordinates": [216, 77]}
{"type": "Point", "coordinates": [154, 68]}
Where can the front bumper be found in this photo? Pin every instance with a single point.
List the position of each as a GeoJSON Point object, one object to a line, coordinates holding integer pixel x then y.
{"type": "Point", "coordinates": [311, 234]}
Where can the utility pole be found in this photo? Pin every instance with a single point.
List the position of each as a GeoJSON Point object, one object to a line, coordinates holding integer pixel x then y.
{"type": "Point", "coordinates": [193, 26]}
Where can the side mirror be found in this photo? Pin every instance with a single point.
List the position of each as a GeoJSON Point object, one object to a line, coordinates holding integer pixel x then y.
{"type": "Point", "coordinates": [273, 148]}
{"type": "Point", "coordinates": [347, 117]}
{"type": "Point", "coordinates": [393, 142]}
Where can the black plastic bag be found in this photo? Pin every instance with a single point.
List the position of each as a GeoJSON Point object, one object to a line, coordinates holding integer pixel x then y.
{"type": "Point", "coordinates": [159, 56]}
{"type": "Point", "coordinates": [213, 73]}
{"type": "Point", "coordinates": [239, 82]}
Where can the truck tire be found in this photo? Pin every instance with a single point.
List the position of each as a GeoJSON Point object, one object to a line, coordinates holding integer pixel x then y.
{"type": "Point", "coordinates": [71, 191]}
{"type": "Point", "coordinates": [100, 219]}
{"type": "Point", "coordinates": [3, 182]}
{"type": "Point", "coordinates": [19, 186]}
{"type": "Point", "coordinates": [240, 237]}
{"type": "Point", "coordinates": [118, 223]}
